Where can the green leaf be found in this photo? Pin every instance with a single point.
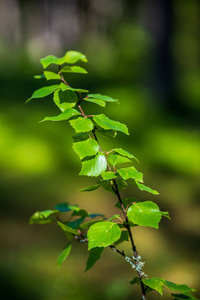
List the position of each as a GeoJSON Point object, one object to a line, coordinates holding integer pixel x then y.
{"type": "Point", "coordinates": [65, 100]}
{"type": "Point", "coordinates": [102, 97]}
{"type": "Point", "coordinates": [66, 228]}
{"type": "Point", "coordinates": [130, 172]}
{"type": "Point", "coordinates": [183, 288]}
{"type": "Point", "coordinates": [65, 87]}
{"type": "Point", "coordinates": [96, 101]}
{"type": "Point", "coordinates": [88, 224]}
{"type": "Point", "coordinates": [145, 213]}
{"type": "Point", "coordinates": [121, 183]}
{"type": "Point", "coordinates": [94, 255]}
{"type": "Point", "coordinates": [123, 238]}
{"type": "Point", "coordinates": [95, 166]}
{"type": "Point", "coordinates": [65, 115]}
{"type": "Point", "coordinates": [51, 75]}
{"type": "Point", "coordinates": [110, 134]}
{"type": "Point", "coordinates": [125, 153]}
{"type": "Point", "coordinates": [145, 188]}
{"type": "Point", "coordinates": [135, 280]}
{"type": "Point", "coordinates": [106, 185]}
{"type": "Point", "coordinates": [43, 217]}
{"type": "Point", "coordinates": [63, 255]}
{"type": "Point", "coordinates": [165, 214]}
{"type": "Point", "coordinates": [76, 223]}
{"type": "Point", "coordinates": [70, 57]}
{"type": "Point", "coordinates": [64, 207]}
{"type": "Point", "coordinates": [186, 296]}
{"type": "Point", "coordinates": [90, 188]}
{"type": "Point", "coordinates": [44, 91]}
{"type": "Point", "coordinates": [82, 124]}
{"type": "Point", "coordinates": [126, 202]}
{"type": "Point", "coordinates": [116, 159]}
{"type": "Point", "coordinates": [114, 217]}
{"type": "Point", "coordinates": [108, 175]}
{"type": "Point", "coordinates": [95, 215]}
{"type": "Point", "coordinates": [86, 148]}
{"type": "Point", "coordinates": [80, 137]}
{"type": "Point", "coordinates": [103, 234]}
{"type": "Point", "coordinates": [73, 69]}
{"type": "Point", "coordinates": [155, 283]}
{"type": "Point", "coordinates": [108, 124]}
{"type": "Point", "coordinates": [39, 76]}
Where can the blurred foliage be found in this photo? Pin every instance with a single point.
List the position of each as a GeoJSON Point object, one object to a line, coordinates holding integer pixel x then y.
{"type": "Point", "coordinates": [39, 168]}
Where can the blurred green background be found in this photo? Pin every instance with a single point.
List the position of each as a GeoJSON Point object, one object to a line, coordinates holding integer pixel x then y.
{"type": "Point", "coordinates": [145, 53]}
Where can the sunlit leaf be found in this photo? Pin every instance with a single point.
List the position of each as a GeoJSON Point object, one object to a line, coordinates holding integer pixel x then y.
{"type": "Point", "coordinates": [94, 255]}
{"type": "Point", "coordinates": [102, 97]}
{"type": "Point", "coordinates": [108, 124]}
{"type": "Point", "coordinates": [155, 283]}
{"type": "Point", "coordinates": [116, 159]}
{"type": "Point", "coordinates": [183, 288]}
{"type": "Point", "coordinates": [90, 188]}
{"type": "Point", "coordinates": [65, 115]}
{"type": "Point", "coordinates": [145, 188]}
{"type": "Point", "coordinates": [51, 75]}
{"type": "Point", "coordinates": [82, 124]}
{"type": "Point", "coordinates": [88, 224]}
{"type": "Point", "coordinates": [96, 101]}
{"type": "Point", "coordinates": [44, 91]}
{"type": "Point", "coordinates": [145, 213]}
{"type": "Point", "coordinates": [85, 148]}
{"type": "Point", "coordinates": [70, 57]}
{"type": "Point", "coordinates": [125, 153]}
{"type": "Point", "coordinates": [95, 166]}
{"type": "Point", "coordinates": [130, 172]}
{"type": "Point", "coordinates": [73, 69]}
{"type": "Point", "coordinates": [109, 175]}
{"type": "Point", "coordinates": [63, 255]}
{"type": "Point", "coordinates": [65, 87]}
{"type": "Point", "coordinates": [103, 234]}
{"type": "Point", "coordinates": [43, 217]}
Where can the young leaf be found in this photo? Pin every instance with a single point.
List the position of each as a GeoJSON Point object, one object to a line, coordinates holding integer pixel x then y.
{"type": "Point", "coordinates": [44, 91]}
{"type": "Point", "coordinates": [102, 97]}
{"type": "Point", "coordinates": [145, 188]}
{"type": "Point", "coordinates": [90, 223]}
{"type": "Point", "coordinates": [116, 159]}
{"type": "Point", "coordinates": [73, 69]}
{"type": "Point", "coordinates": [108, 124]}
{"type": "Point", "coordinates": [43, 217]}
{"type": "Point", "coordinates": [155, 283]}
{"type": "Point", "coordinates": [82, 124]}
{"type": "Point", "coordinates": [95, 166]}
{"type": "Point", "coordinates": [165, 214]}
{"type": "Point", "coordinates": [70, 57]}
{"type": "Point", "coordinates": [90, 188]}
{"type": "Point", "coordinates": [65, 115]}
{"type": "Point", "coordinates": [130, 172]}
{"type": "Point", "coordinates": [96, 101]}
{"type": "Point", "coordinates": [67, 229]}
{"type": "Point", "coordinates": [125, 153]}
{"type": "Point", "coordinates": [109, 175]}
{"type": "Point", "coordinates": [183, 288]}
{"type": "Point", "coordinates": [86, 148]}
{"type": "Point", "coordinates": [63, 255]}
{"type": "Point", "coordinates": [65, 100]}
{"type": "Point", "coordinates": [103, 234]}
{"type": "Point", "coordinates": [145, 213]}
{"type": "Point", "coordinates": [51, 75]}
{"type": "Point", "coordinates": [65, 87]}
{"type": "Point", "coordinates": [94, 255]}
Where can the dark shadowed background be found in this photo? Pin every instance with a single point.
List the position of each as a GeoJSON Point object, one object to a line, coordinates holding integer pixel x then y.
{"type": "Point", "coordinates": [145, 53]}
